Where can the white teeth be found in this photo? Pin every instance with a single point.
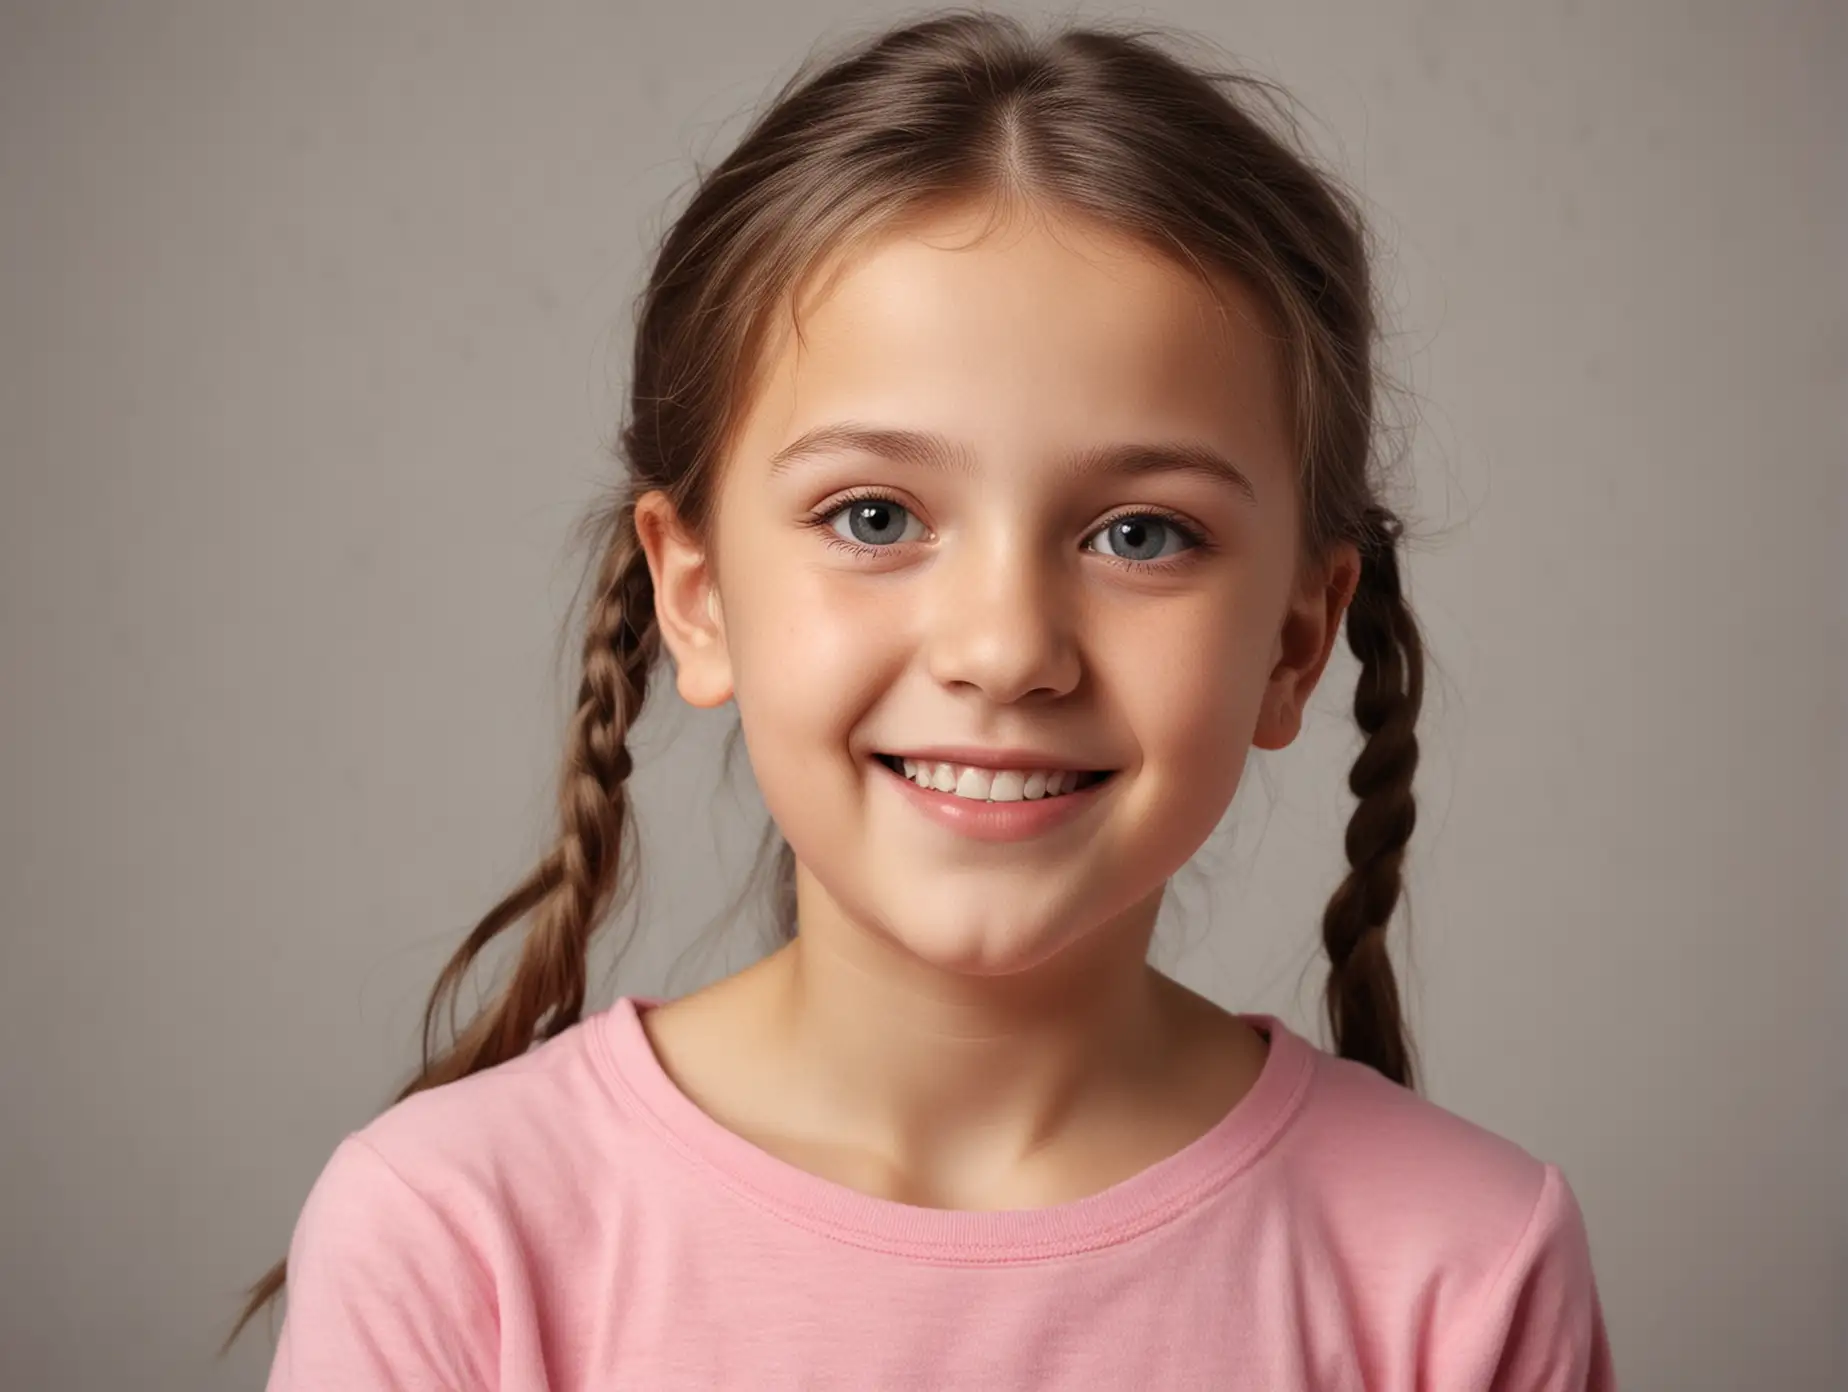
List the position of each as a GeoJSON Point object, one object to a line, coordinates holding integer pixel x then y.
{"type": "Point", "coordinates": [1007, 787]}
{"type": "Point", "coordinates": [990, 785]}
{"type": "Point", "coordinates": [975, 783]}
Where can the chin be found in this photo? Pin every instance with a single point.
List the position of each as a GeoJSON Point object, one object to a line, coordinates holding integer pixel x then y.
{"type": "Point", "coordinates": [984, 943]}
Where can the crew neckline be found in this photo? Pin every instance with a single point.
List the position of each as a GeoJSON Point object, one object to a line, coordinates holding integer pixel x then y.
{"type": "Point", "coordinates": [1144, 1200]}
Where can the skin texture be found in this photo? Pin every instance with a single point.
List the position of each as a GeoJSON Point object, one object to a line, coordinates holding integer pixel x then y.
{"type": "Point", "coordinates": [961, 1023]}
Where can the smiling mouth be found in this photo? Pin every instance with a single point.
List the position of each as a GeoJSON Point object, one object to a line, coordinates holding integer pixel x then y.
{"type": "Point", "coordinates": [1015, 785]}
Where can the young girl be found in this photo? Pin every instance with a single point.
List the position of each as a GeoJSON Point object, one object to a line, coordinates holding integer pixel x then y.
{"type": "Point", "coordinates": [1002, 442]}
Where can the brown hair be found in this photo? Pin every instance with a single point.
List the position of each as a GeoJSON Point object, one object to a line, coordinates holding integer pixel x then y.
{"type": "Point", "coordinates": [1100, 123]}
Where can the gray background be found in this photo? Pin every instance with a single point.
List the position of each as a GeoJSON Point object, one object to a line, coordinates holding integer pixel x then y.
{"type": "Point", "coordinates": [312, 333]}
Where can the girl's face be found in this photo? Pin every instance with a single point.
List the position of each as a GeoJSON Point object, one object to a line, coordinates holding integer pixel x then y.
{"type": "Point", "coordinates": [1028, 496]}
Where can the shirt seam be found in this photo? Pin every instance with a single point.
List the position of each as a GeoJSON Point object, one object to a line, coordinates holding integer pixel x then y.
{"type": "Point", "coordinates": [1118, 1234]}
{"type": "Point", "coordinates": [1505, 1271]}
{"type": "Point", "coordinates": [484, 1276]}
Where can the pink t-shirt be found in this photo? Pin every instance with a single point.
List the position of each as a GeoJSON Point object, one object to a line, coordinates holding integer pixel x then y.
{"type": "Point", "coordinates": [571, 1220]}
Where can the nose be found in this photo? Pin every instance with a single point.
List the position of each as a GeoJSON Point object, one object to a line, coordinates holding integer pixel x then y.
{"type": "Point", "coordinates": [1002, 621]}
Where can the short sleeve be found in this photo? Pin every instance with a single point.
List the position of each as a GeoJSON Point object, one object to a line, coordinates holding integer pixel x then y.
{"type": "Point", "coordinates": [383, 1292]}
{"type": "Point", "coordinates": [1543, 1319]}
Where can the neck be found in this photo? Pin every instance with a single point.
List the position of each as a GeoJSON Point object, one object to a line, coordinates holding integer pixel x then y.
{"type": "Point", "coordinates": [962, 1077]}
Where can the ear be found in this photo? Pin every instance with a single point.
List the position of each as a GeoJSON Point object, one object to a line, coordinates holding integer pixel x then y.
{"type": "Point", "coordinates": [687, 606]}
{"type": "Point", "coordinates": [1305, 641]}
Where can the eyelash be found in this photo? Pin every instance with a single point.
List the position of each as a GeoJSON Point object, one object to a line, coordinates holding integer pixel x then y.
{"type": "Point", "coordinates": [820, 519]}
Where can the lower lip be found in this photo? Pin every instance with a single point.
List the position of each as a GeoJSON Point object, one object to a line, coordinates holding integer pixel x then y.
{"type": "Point", "coordinates": [996, 821]}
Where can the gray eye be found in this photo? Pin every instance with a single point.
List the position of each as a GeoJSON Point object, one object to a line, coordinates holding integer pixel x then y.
{"type": "Point", "coordinates": [1139, 537]}
{"type": "Point", "coordinates": [875, 522]}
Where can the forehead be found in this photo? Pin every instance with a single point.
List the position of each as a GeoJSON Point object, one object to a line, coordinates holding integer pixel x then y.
{"type": "Point", "coordinates": [1024, 328]}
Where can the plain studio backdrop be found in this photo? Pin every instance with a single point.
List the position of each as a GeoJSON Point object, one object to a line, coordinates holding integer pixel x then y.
{"type": "Point", "coordinates": [313, 334]}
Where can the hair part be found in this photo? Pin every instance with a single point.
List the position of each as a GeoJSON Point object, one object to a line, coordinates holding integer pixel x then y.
{"type": "Point", "coordinates": [1094, 122]}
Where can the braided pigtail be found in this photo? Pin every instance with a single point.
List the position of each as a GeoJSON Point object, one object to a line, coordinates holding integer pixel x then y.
{"type": "Point", "coordinates": [568, 893]}
{"type": "Point", "coordinates": [1362, 997]}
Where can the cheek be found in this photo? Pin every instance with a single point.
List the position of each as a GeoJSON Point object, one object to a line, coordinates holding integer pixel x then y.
{"type": "Point", "coordinates": [1190, 684]}
{"type": "Point", "coordinates": [808, 653]}
{"type": "Point", "coordinates": [1194, 711]}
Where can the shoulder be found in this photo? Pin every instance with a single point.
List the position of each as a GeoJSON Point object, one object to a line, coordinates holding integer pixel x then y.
{"type": "Point", "coordinates": [1487, 1238]}
{"type": "Point", "coordinates": [483, 1167]}
{"type": "Point", "coordinates": [1408, 1160]}
{"type": "Point", "coordinates": [1403, 1173]}
{"type": "Point", "coordinates": [456, 1150]}
{"type": "Point", "coordinates": [384, 1288]}
{"type": "Point", "coordinates": [405, 1245]}
{"type": "Point", "coordinates": [497, 1131]}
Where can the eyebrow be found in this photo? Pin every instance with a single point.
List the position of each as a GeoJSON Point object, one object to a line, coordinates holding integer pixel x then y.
{"type": "Point", "coordinates": [931, 450]}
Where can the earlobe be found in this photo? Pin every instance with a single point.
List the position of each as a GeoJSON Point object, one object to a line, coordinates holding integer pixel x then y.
{"type": "Point", "coordinates": [1278, 725]}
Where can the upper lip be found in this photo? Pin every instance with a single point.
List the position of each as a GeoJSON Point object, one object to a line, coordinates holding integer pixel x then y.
{"type": "Point", "coordinates": [1012, 757]}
